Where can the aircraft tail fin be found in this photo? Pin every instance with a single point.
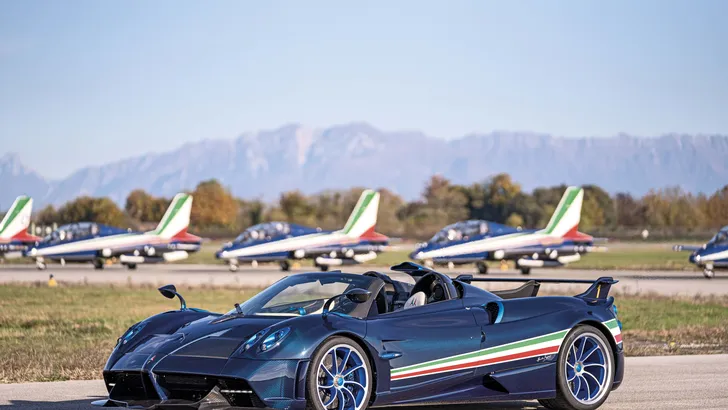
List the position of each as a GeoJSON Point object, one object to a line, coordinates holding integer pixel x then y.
{"type": "Point", "coordinates": [17, 219]}
{"type": "Point", "coordinates": [177, 218]}
{"type": "Point", "coordinates": [565, 220]}
{"type": "Point", "coordinates": [364, 217]}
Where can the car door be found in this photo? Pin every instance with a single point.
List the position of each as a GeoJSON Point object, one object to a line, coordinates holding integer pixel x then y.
{"type": "Point", "coordinates": [418, 347]}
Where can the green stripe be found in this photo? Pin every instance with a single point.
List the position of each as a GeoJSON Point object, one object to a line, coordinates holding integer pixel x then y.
{"type": "Point", "coordinates": [358, 212]}
{"type": "Point", "coordinates": [497, 349]}
{"type": "Point", "coordinates": [173, 213]}
{"type": "Point", "coordinates": [13, 213]}
{"type": "Point", "coordinates": [571, 196]}
{"type": "Point", "coordinates": [612, 324]}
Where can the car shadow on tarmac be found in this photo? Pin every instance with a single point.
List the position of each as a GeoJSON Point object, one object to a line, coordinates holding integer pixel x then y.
{"type": "Point", "coordinates": [85, 404]}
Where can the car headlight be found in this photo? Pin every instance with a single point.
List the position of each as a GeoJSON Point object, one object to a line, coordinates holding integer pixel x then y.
{"type": "Point", "coordinates": [253, 340]}
{"type": "Point", "coordinates": [274, 339]}
{"type": "Point", "coordinates": [133, 331]}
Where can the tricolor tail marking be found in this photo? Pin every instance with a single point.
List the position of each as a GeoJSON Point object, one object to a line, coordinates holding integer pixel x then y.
{"type": "Point", "coordinates": [177, 218]}
{"type": "Point", "coordinates": [17, 219]}
{"type": "Point", "coordinates": [363, 218]}
{"type": "Point", "coordinates": [567, 215]}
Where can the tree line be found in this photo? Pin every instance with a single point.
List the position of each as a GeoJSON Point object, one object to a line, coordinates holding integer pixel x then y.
{"type": "Point", "coordinates": [216, 212]}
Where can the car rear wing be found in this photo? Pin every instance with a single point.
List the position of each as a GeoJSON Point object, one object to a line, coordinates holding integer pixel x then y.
{"type": "Point", "coordinates": [599, 289]}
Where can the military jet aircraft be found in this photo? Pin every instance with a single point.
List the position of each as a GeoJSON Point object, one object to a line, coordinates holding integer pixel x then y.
{"type": "Point", "coordinates": [711, 256]}
{"type": "Point", "coordinates": [477, 241]}
{"type": "Point", "coordinates": [14, 237]}
{"type": "Point", "coordinates": [281, 242]}
{"type": "Point", "coordinates": [96, 243]}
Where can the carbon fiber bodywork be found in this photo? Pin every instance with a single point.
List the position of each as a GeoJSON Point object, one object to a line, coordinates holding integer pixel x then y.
{"type": "Point", "coordinates": [474, 347]}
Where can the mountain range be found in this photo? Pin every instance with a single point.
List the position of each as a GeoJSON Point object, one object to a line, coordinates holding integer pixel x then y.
{"type": "Point", "coordinates": [263, 164]}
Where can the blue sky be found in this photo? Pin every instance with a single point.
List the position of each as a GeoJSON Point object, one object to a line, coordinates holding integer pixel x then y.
{"type": "Point", "coordinates": [87, 82]}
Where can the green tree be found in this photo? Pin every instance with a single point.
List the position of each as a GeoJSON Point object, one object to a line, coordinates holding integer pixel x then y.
{"type": "Point", "coordinates": [85, 208]}
{"type": "Point", "coordinates": [213, 206]}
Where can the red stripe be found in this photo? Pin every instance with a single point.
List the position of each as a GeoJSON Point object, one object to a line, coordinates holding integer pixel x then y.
{"type": "Point", "coordinates": [524, 355]}
{"type": "Point", "coordinates": [618, 338]}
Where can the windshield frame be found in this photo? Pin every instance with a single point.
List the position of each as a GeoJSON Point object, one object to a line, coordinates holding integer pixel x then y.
{"type": "Point", "coordinates": [252, 306]}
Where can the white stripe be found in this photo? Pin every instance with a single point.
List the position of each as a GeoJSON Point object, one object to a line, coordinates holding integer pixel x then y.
{"type": "Point", "coordinates": [289, 244]}
{"type": "Point", "coordinates": [508, 241]}
{"type": "Point", "coordinates": [524, 349]}
{"type": "Point", "coordinates": [113, 242]}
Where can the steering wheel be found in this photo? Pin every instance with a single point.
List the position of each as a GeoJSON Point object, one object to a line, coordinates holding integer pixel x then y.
{"type": "Point", "coordinates": [433, 288]}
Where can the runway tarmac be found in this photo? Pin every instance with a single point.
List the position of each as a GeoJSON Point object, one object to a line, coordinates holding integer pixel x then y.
{"type": "Point", "coordinates": [683, 283]}
{"type": "Point", "coordinates": [671, 382]}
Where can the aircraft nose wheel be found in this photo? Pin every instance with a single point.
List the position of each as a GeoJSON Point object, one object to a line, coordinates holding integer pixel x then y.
{"type": "Point", "coordinates": [709, 273]}
{"type": "Point", "coordinates": [41, 265]}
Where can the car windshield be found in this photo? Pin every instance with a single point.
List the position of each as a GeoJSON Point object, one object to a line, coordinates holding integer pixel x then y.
{"type": "Point", "coordinates": [264, 231]}
{"type": "Point", "coordinates": [460, 231]}
{"type": "Point", "coordinates": [305, 294]}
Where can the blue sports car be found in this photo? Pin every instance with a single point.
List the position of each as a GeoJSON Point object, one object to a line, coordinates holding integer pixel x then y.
{"type": "Point", "coordinates": [343, 341]}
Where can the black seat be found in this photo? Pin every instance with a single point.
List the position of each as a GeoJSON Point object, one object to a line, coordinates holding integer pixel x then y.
{"type": "Point", "coordinates": [528, 290]}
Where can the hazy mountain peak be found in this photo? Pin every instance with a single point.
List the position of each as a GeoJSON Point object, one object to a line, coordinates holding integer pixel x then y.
{"type": "Point", "coordinates": [267, 162]}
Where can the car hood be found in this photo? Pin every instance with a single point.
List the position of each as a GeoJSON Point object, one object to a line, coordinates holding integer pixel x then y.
{"type": "Point", "coordinates": [173, 334]}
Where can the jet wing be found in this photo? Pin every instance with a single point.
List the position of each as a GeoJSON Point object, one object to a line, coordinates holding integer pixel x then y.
{"type": "Point", "coordinates": [686, 248]}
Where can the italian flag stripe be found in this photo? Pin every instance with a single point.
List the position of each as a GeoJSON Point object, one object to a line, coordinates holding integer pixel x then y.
{"type": "Point", "coordinates": [523, 349]}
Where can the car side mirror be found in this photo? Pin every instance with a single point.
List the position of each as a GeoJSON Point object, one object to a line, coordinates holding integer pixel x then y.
{"type": "Point", "coordinates": [355, 295]}
{"type": "Point", "coordinates": [169, 292]}
{"type": "Point", "coordinates": [358, 295]}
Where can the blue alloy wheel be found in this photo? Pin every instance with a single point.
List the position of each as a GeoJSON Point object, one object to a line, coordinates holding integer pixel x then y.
{"type": "Point", "coordinates": [343, 379]}
{"type": "Point", "coordinates": [588, 368]}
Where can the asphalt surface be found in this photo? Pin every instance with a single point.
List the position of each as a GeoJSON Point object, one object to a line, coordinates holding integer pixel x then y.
{"type": "Point", "coordinates": [684, 283]}
{"type": "Point", "coordinates": [671, 382]}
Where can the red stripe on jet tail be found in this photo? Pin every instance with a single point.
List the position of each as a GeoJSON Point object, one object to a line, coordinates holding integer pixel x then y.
{"type": "Point", "coordinates": [523, 355]}
{"type": "Point", "coordinates": [183, 236]}
{"type": "Point", "coordinates": [618, 338]}
{"type": "Point", "coordinates": [24, 236]}
{"type": "Point", "coordinates": [371, 235]}
{"type": "Point", "coordinates": [575, 235]}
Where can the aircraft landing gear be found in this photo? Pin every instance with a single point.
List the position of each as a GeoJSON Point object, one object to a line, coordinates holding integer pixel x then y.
{"type": "Point", "coordinates": [324, 268]}
{"type": "Point", "coordinates": [131, 266]}
{"type": "Point", "coordinates": [233, 267]}
{"type": "Point", "coordinates": [482, 268]}
{"type": "Point", "coordinates": [40, 265]}
{"type": "Point", "coordinates": [98, 263]}
{"type": "Point", "coordinates": [285, 266]}
{"type": "Point", "coordinates": [526, 271]}
{"type": "Point", "coordinates": [709, 273]}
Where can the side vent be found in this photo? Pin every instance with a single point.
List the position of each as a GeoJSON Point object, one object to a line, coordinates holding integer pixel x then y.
{"type": "Point", "coordinates": [491, 384]}
{"type": "Point", "coordinates": [495, 312]}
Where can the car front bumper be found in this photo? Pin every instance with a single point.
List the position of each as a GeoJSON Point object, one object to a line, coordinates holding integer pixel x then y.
{"type": "Point", "coordinates": [182, 382]}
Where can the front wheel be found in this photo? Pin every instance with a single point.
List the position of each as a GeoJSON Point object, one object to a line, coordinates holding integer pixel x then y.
{"type": "Point", "coordinates": [340, 376]}
{"type": "Point", "coordinates": [585, 371]}
{"type": "Point", "coordinates": [482, 268]}
{"type": "Point", "coordinates": [709, 273]}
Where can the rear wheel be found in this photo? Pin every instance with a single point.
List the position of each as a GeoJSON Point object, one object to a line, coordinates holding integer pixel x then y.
{"type": "Point", "coordinates": [98, 263]}
{"type": "Point", "coordinates": [482, 268]}
{"type": "Point", "coordinates": [339, 377]}
{"type": "Point", "coordinates": [285, 266]}
{"type": "Point", "coordinates": [585, 371]}
{"type": "Point", "coordinates": [526, 271]}
{"type": "Point", "coordinates": [131, 266]}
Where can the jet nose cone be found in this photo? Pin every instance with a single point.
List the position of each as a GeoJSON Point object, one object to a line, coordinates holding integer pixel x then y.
{"type": "Point", "coordinates": [416, 255]}
{"type": "Point", "coordinates": [221, 254]}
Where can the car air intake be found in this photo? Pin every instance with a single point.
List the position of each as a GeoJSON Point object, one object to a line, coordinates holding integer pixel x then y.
{"type": "Point", "coordinates": [493, 309]}
{"type": "Point", "coordinates": [126, 386]}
